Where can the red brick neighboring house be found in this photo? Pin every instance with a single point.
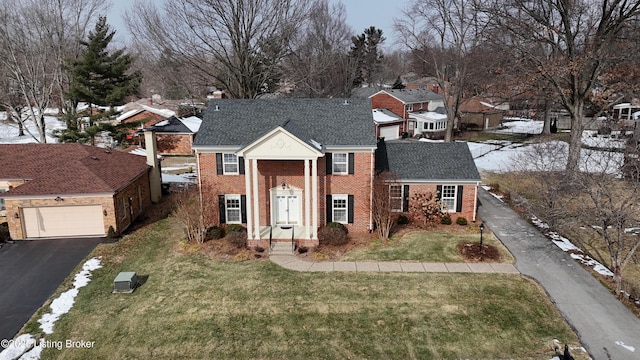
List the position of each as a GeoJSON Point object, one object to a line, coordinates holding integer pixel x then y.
{"type": "Point", "coordinates": [72, 190]}
{"type": "Point", "coordinates": [404, 102]}
{"type": "Point", "coordinates": [175, 135]}
{"type": "Point", "coordinates": [287, 167]}
{"type": "Point", "coordinates": [148, 115]}
{"type": "Point", "coordinates": [478, 113]}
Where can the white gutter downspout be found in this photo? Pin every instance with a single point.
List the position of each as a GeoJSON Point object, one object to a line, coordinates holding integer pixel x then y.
{"type": "Point", "coordinates": [475, 202]}
{"type": "Point", "coordinates": [373, 165]}
{"type": "Point", "coordinates": [199, 180]}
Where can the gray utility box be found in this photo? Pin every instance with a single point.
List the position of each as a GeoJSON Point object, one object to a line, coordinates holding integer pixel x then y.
{"type": "Point", "coordinates": [125, 282]}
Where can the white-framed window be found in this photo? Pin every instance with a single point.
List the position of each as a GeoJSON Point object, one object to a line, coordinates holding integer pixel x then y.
{"type": "Point", "coordinates": [232, 208]}
{"type": "Point", "coordinates": [340, 206]}
{"type": "Point", "coordinates": [2, 206]}
{"type": "Point", "coordinates": [395, 198]}
{"type": "Point", "coordinates": [411, 125]}
{"type": "Point", "coordinates": [410, 107]}
{"type": "Point", "coordinates": [340, 163]}
{"type": "Point", "coordinates": [230, 164]}
{"type": "Point", "coordinates": [448, 197]}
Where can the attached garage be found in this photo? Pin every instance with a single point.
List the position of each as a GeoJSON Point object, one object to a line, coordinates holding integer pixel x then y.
{"type": "Point", "coordinates": [67, 221]}
{"type": "Point", "coordinates": [390, 132]}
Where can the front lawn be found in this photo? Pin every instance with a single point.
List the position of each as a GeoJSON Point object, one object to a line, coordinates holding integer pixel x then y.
{"type": "Point", "coordinates": [427, 246]}
{"type": "Point", "coordinates": [193, 306]}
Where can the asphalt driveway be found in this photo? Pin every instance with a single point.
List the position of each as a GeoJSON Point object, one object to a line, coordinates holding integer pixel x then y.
{"type": "Point", "coordinates": [30, 271]}
{"type": "Point", "coordinates": [606, 327]}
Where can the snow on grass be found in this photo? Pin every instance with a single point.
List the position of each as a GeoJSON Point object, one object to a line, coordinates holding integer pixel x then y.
{"type": "Point", "coordinates": [9, 131]}
{"type": "Point", "coordinates": [26, 347]}
{"type": "Point", "coordinates": [566, 245]}
{"type": "Point", "coordinates": [62, 304]}
{"type": "Point", "coordinates": [489, 188]}
{"type": "Point", "coordinates": [520, 126]}
{"type": "Point", "coordinates": [189, 178]}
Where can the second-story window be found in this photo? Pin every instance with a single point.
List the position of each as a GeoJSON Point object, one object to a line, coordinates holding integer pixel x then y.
{"type": "Point", "coordinates": [340, 163]}
{"type": "Point", "coordinates": [230, 163]}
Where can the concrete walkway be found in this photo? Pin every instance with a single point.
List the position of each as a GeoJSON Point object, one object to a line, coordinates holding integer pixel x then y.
{"type": "Point", "coordinates": [292, 262]}
{"type": "Point", "coordinates": [607, 329]}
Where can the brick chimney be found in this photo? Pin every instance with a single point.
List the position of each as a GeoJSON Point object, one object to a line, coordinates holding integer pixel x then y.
{"type": "Point", "coordinates": [155, 178]}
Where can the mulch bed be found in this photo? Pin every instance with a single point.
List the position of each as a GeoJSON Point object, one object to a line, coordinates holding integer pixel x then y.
{"type": "Point", "coordinates": [473, 252]}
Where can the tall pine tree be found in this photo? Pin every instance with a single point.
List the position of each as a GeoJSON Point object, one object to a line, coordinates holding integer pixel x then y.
{"type": "Point", "coordinates": [367, 56]}
{"type": "Point", "coordinates": [98, 77]}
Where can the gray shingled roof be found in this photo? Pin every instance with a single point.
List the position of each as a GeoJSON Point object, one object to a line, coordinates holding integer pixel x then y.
{"type": "Point", "coordinates": [409, 96]}
{"type": "Point", "coordinates": [170, 125]}
{"type": "Point", "coordinates": [418, 160]}
{"type": "Point", "coordinates": [239, 122]}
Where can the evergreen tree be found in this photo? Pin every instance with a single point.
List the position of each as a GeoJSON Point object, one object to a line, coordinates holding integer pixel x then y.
{"type": "Point", "coordinates": [367, 55]}
{"type": "Point", "coordinates": [99, 77]}
{"type": "Point", "coordinates": [398, 84]}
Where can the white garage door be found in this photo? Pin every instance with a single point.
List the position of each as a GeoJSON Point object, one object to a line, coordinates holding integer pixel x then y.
{"type": "Point", "coordinates": [54, 221]}
{"type": "Point", "coordinates": [390, 132]}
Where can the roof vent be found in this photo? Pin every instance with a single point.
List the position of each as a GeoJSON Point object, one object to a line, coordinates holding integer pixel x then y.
{"type": "Point", "coordinates": [107, 151]}
{"type": "Point", "coordinates": [346, 102]}
{"type": "Point", "coordinates": [94, 158]}
{"type": "Point", "coordinates": [217, 108]}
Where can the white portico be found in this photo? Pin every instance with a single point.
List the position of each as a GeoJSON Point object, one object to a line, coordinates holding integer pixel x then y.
{"type": "Point", "coordinates": [290, 206]}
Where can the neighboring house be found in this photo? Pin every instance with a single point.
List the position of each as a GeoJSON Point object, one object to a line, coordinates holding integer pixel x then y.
{"type": "Point", "coordinates": [147, 115]}
{"type": "Point", "coordinates": [404, 102]}
{"type": "Point", "coordinates": [479, 113]}
{"type": "Point", "coordinates": [446, 170]}
{"type": "Point", "coordinates": [175, 135]}
{"type": "Point", "coordinates": [430, 124]}
{"type": "Point", "coordinates": [387, 124]}
{"type": "Point", "coordinates": [73, 190]}
{"type": "Point", "coordinates": [286, 167]}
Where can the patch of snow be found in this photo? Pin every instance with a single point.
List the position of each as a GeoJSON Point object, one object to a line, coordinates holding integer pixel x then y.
{"type": "Point", "coordinates": [127, 114]}
{"type": "Point", "coordinates": [9, 131]}
{"type": "Point", "coordinates": [18, 346]}
{"type": "Point", "coordinates": [162, 112]}
{"type": "Point", "coordinates": [630, 348]}
{"type": "Point", "coordinates": [192, 122]}
{"type": "Point", "coordinates": [62, 304]}
{"type": "Point", "coordinates": [180, 178]}
{"type": "Point", "coordinates": [521, 126]}
{"type": "Point", "coordinates": [430, 140]}
{"type": "Point", "coordinates": [487, 104]}
{"type": "Point", "coordinates": [380, 117]}
{"type": "Point", "coordinates": [162, 123]}
{"type": "Point", "coordinates": [316, 144]}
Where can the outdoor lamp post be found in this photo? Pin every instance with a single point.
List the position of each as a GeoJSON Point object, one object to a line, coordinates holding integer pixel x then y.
{"type": "Point", "coordinates": [481, 230]}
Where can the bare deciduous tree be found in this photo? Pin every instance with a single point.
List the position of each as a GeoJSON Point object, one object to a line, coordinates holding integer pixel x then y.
{"type": "Point", "coordinates": [238, 44]}
{"type": "Point", "coordinates": [382, 204]}
{"type": "Point", "coordinates": [189, 213]}
{"type": "Point", "coordinates": [36, 38]}
{"type": "Point", "coordinates": [427, 207]}
{"type": "Point", "coordinates": [443, 34]}
{"type": "Point", "coordinates": [568, 44]}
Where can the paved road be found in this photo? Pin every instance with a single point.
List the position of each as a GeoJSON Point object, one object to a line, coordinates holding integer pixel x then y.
{"type": "Point", "coordinates": [30, 271]}
{"type": "Point", "coordinates": [600, 320]}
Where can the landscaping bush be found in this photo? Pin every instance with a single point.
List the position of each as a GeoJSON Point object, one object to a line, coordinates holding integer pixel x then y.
{"type": "Point", "coordinates": [445, 220]}
{"type": "Point", "coordinates": [461, 221]}
{"type": "Point", "coordinates": [237, 238]}
{"type": "Point", "coordinates": [338, 225]}
{"type": "Point", "coordinates": [403, 220]}
{"type": "Point", "coordinates": [111, 233]}
{"type": "Point", "coordinates": [214, 233]}
{"type": "Point", "coordinates": [235, 228]}
{"type": "Point", "coordinates": [332, 236]}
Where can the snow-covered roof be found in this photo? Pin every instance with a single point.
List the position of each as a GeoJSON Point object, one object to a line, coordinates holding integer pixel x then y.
{"type": "Point", "coordinates": [192, 122]}
{"type": "Point", "coordinates": [428, 115]}
{"type": "Point", "coordinates": [162, 112]}
{"type": "Point", "coordinates": [384, 116]}
{"type": "Point", "coordinates": [128, 114]}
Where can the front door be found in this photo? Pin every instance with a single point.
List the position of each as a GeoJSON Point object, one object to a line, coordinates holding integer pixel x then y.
{"type": "Point", "coordinates": [287, 209]}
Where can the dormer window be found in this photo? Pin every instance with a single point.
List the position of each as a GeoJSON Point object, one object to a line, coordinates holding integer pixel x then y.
{"type": "Point", "coordinates": [410, 107]}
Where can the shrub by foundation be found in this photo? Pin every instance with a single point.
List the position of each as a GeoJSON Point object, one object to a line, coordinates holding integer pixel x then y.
{"type": "Point", "coordinates": [461, 221]}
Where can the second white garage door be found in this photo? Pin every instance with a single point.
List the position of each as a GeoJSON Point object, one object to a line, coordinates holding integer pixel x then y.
{"type": "Point", "coordinates": [57, 221]}
{"type": "Point", "coordinates": [390, 132]}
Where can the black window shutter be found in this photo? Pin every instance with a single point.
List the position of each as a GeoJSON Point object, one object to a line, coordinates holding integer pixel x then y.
{"type": "Point", "coordinates": [459, 199]}
{"type": "Point", "coordinates": [405, 198]}
{"type": "Point", "coordinates": [243, 208]}
{"type": "Point", "coordinates": [240, 165]}
{"type": "Point", "coordinates": [328, 157]}
{"type": "Point", "coordinates": [350, 209]}
{"type": "Point", "coordinates": [329, 207]}
{"type": "Point", "coordinates": [351, 164]}
{"type": "Point", "coordinates": [219, 163]}
{"type": "Point", "coordinates": [438, 192]}
{"type": "Point", "coordinates": [221, 209]}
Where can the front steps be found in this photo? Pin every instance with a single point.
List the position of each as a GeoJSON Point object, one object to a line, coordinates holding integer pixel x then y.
{"type": "Point", "coordinates": [281, 248]}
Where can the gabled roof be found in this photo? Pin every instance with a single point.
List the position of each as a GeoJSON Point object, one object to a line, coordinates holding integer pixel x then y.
{"type": "Point", "coordinates": [411, 96]}
{"type": "Point", "coordinates": [176, 125]}
{"type": "Point", "coordinates": [426, 161]}
{"type": "Point", "coordinates": [138, 108]}
{"type": "Point", "coordinates": [57, 169]}
{"type": "Point", "coordinates": [330, 122]}
{"type": "Point", "coordinates": [478, 105]}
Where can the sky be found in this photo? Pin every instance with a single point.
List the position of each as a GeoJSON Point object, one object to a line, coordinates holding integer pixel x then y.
{"type": "Point", "coordinates": [361, 14]}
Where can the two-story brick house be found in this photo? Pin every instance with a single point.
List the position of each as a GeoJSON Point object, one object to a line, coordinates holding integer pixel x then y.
{"type": "Point", "coordinates": [419, 108]}
{"type": "Point", "coordinates": [286, 167]}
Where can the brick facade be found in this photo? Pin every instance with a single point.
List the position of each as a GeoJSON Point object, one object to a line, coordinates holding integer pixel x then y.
{"type": "Point", "coordinates": [140, 200]}
{"type": "Point", "coordinates": [272, 173]}
{"type": "Point", "coordinates": [174, 144]}
{"type": "Point", "coordinates": [469, 203]}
